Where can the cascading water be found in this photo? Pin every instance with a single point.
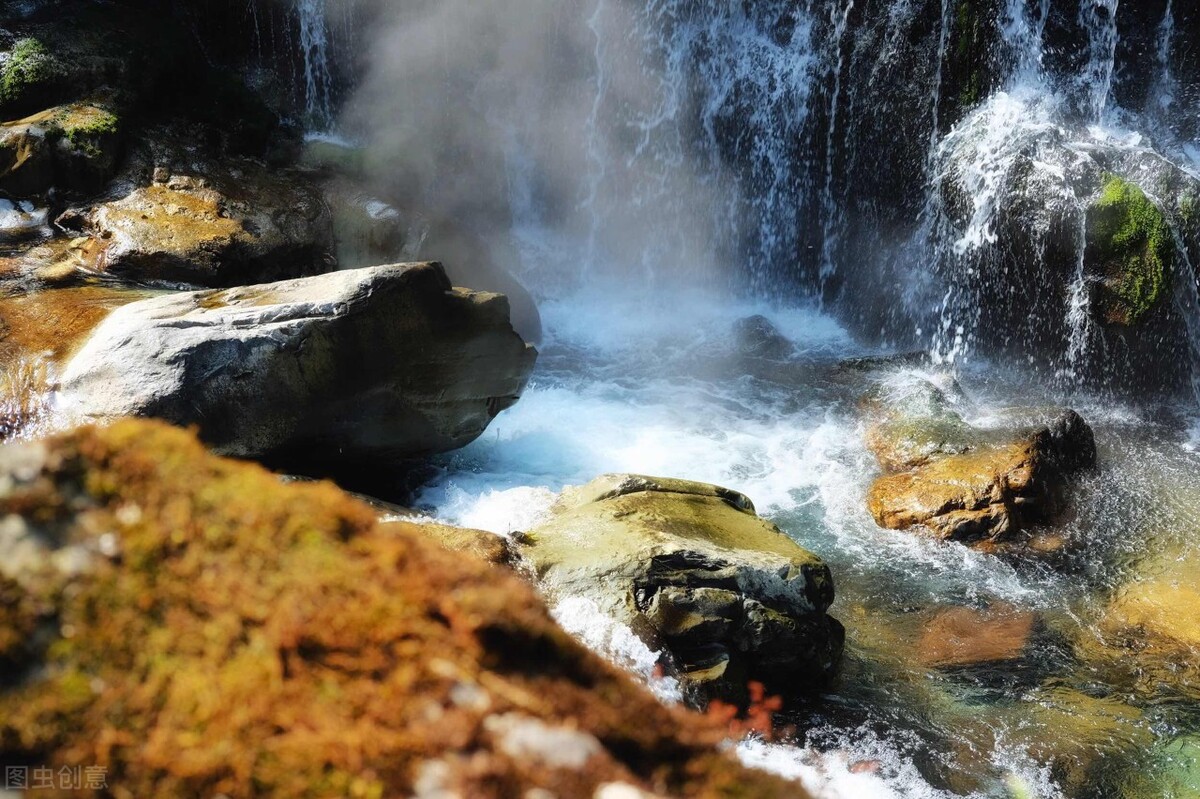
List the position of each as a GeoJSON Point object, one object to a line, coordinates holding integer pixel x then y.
{"type": "Point", "coordinates": [314, 47]}
{"type": "Point", "coordinates": [855, 171]}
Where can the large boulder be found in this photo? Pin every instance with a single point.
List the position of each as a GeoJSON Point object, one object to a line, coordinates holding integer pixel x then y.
{"type": "Point", "coordinates": [239, 225]}
{"type": "Point", "coordinates": [692, 567]}
{"type": "Point", "coordinates": [1067, 250]}
{"type": "Point", "coordinates": [987, 487]}
{"type": "Point", "coordinates": [183, 625]}
{"type": "Point", "coordinates": [345, 369]}
{"type": "Point", "coordinates": [72, 147]}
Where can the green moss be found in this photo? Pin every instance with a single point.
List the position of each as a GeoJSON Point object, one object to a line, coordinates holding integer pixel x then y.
{"type": "Point", "coordinates": [29, 66]}
{"type": "Point", "coordinates": [271, 640]}
{"type": "Point", "coordinates": [86, 127]}
{"type": "Point", "coordinates": [1131, 243]}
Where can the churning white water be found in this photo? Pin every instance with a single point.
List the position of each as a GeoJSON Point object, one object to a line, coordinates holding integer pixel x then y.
{"type": "Point", "coordinates": [695, 171]}
{"type": "Point", "coordinates": [655, 385]}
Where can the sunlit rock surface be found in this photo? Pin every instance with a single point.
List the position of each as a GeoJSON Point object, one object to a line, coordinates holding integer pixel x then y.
{"type": "Point", "coordinates": [194, 627]}
{"type": "Point", "coordinates": [356, 366]}
{"type": "Point", "coordinates": [693, 567]}
{"type": "Point", "coordinates": [983, 486]}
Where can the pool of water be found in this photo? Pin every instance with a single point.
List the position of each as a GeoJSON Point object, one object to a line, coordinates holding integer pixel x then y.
{"type": "Point", "coordinates": [1077, 710]}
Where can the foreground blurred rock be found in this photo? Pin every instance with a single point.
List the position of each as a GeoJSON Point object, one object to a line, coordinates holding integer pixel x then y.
{"type": "Point", "coordinates": [197, 628]}
{"type": "Point", "coordinates": [988, 487]}
{"type": "Point", "coordinates": [367, 365]}
{"type": "Point", "coordinates": [692, 567]}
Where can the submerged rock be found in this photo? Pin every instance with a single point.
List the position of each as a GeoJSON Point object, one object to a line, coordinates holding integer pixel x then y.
{"type": "Point", "coordinates": [692, 567]}
{"type": "Point", "coordinates": [195, 627]}
{"type": "Point", "coordinates": [1147, 635]}
{"type": "Point", "coordinates": [340, 370]}
{"type": "Point", "coordinates": [962, 637]}
{"type": "Point", "coordinates": [984, 487]}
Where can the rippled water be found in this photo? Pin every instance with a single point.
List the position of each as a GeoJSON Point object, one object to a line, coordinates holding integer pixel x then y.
{"type": "Point", "coordinates": [626, 385]}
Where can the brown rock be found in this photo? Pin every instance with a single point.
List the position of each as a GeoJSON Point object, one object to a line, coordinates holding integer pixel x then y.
{"type": "Point", "coordinates": [248, 226]}
{"type": "Point", "coordinates": [229, 634]}
{"type": "Point", "coordinates": [959, 637]}
{"type": "Point", "coordinates": [976, 486]}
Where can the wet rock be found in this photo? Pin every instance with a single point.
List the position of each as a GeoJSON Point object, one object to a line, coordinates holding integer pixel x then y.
{"type": "Point", "coordinates": [366, 230]}
{"type": "Point", "coordinates": [341, 370]}
{"type": "Point", "coordinates": [245, 225]}
{"type": "Point", "coordinates": [1132, 248]}
{"type": "Point", "coordinates": [1079, 736]}
{"type": "Point", "coordinates": [1173, 770]}
{"type": "Point", "coordinates": [756, 337]}
{"type": "Point", "coordinates": [962, 637]}
{"type": "Point", "coordinates": [1108, 227]}
{"type": "Point", "coordinates": [257, 638]}
{"type": "Point", "coordinates": [964, 483]}
{"type": "Point", "coordinates": [39, 330]}
{"type": "Point", "coordinates": [691, 566]}
{"type": "Point", "coordinates": [1148, 635]}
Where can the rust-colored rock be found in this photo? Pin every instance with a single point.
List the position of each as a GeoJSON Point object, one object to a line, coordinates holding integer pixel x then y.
{"type": "Point", "coordinates": [224, 633]}
{"type": "Point", "coordinates": [963, 637]}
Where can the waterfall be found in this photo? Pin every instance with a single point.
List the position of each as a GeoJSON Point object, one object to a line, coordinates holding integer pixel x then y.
{"type": "Point", "coordinates": [923, 168]}
{"type": "Point", "coordinates": [830, 208]}
{"type": "Point", "coordinates": [1099, 19]}
{"type": "Point", "coordinates": [314, 48]}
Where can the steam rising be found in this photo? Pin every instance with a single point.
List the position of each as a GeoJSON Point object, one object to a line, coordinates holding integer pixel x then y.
{"type": "Point", "coordinates": [559, 122]}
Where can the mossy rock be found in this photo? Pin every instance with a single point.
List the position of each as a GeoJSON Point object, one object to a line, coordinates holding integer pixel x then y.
{"type": "Point", "coordinates": [1132, 249]}
{"type": "Point", "coordinates": [73, 147]}
{"type": "Point", "coordinates": [28, 73]}
{"type": "Point", "coordinates": [230, 634]}
{"type": "Point", "coordinates": [692, 568]}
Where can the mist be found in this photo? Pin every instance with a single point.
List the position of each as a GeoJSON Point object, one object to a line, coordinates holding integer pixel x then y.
{"type": "Point", "coordinates": [555, 139]}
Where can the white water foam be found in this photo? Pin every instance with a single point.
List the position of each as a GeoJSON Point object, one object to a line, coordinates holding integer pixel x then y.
{"type": "Point", "coordinates": [616, 642]}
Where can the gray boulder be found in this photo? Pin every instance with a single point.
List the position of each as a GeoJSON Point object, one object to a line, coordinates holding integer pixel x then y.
{"type": "Point", "coordinates": [358, 366]}
{"type": "Point", "coordinates": [691, 567]}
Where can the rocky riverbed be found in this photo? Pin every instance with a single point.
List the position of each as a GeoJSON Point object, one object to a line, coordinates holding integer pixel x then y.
{"type": "Point", "coordinates": [581, 450]}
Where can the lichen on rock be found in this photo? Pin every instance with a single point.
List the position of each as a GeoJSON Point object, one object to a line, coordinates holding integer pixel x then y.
{"type": "Point", "coordinates": [235, 635]}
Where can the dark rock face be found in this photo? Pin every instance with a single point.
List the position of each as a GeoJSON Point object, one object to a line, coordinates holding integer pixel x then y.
{"type": "Point", "coordinates": [756, 337]}
{"type": "Point", "coordinates": [352, 367]}
{"type": "Point", "coordinates": [692, 568]}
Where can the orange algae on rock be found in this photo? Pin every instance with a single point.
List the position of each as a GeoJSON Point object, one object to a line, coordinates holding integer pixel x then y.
{"type": "Point", "coordinates": [229, 634]}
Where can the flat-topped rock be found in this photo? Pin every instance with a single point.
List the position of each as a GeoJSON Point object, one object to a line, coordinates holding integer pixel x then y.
{"type": "Point", "coordinates": [365, 365]}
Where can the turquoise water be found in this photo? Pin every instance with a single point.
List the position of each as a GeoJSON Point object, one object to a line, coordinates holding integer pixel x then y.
{"type": "Point", "coordinates": [623, 385]}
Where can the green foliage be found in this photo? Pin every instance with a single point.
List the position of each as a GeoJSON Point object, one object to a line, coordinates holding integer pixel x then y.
{"type": "Point", "coordinates": [29, 66]}
{"type": "Point", "coordinates": [1131, 240]}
